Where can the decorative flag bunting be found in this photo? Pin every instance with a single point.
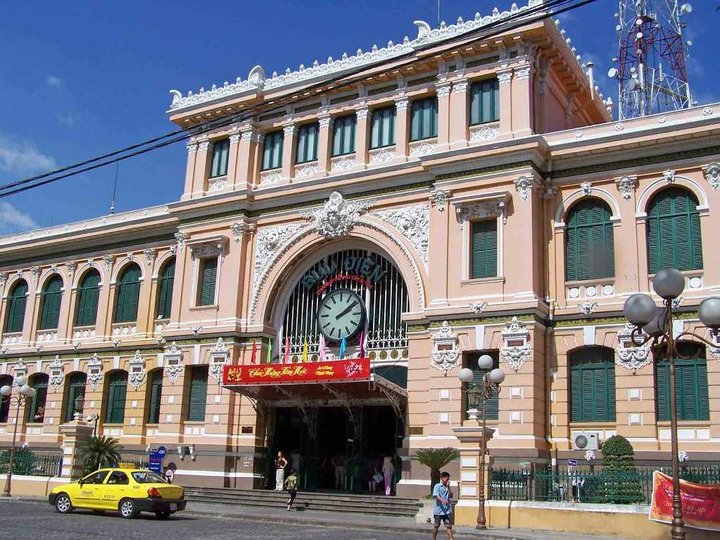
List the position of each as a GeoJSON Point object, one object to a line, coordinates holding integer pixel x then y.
{"type": "Point", "coordinates": [322, 348]}
{"type": "Point", "coordinates": [343, 345]}
{"type": "Point", "coordinates": [305, 351]}
{"type": "Point", "coordinates": [286, 358]}
{"type": "Point", "coordinates": [253, 356]}
{"type": "Point", "coordinates": [269, 351]}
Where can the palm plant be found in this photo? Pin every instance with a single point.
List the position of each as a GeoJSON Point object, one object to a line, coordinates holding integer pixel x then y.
{"type": "Point", "coordinates": [97, 452]}
{"type": "Point", "coordinates": [436, 459]}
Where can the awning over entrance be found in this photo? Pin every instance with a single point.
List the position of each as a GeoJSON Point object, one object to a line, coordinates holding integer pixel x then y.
{"type": "Point", "coordinates": [315, 384]}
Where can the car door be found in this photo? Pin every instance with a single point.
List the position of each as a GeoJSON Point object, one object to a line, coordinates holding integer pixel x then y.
{"type": "Point", "coordinates": [89, 495]}
{"type": "Point", "coordinates": [115, 488]}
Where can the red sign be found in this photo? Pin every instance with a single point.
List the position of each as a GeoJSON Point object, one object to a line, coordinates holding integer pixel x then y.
{"type": "Point", "coordinates": [338, 370]}
{"type": "Point", "coordinates": [700, 503]}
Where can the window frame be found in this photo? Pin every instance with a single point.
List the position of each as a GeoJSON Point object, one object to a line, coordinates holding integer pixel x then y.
{"type": "Point", "coordinates": [193, 400]}
{"type": "Point", "coordinates": [83, 297]}
{"type": "Point", "coordinates": [699, 367]}
{"type": "Point", "coordinates": [122, 289]}
{"type": "Point", "coordinates": [154, 395]}
{"type": "Point", "coordinates": [201, 266]}
{"type": "Point", "coordinates": [419, 108]}
{"type": "Point", "coordinates": [115, 381]}
{"type": "Point", "coordinates": [269, 161]}
{"type": "Point", "coordinates": [51, 300]}
{"type": "Point", "coordinates": [589, 369]}
{"type": "Point", "coordinates": [471, 260]}
{"type": "Point", "coordinates": [347, 123]}
{"type": "Point", "coordinates": [71, 393]}
{"type": "Point", "coordinates": [14, 313]}
{"type": "Point", "coordinates": [573, 242]}
{"type": "Point", "coordinates": [40, 382]}
{"type": "Point", "coordinates": [219, 157]}
{"type": "Point", "coordinates": [392, 117]}
{"type": "Point", "coordinates": [479, 84]}
{"type": "Point", "coordinates": [306, 143]}
{"type": "Point", "coordinates": [165, 286]}
{"type": "Point", "coordinates": [470, 359]}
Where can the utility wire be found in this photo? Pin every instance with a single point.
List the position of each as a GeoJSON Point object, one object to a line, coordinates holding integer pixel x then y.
{"type": "Point", "coordinates": [494, 28]}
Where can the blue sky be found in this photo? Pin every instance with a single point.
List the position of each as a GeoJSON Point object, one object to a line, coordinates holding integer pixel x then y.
{"type": "Point", "coordinates": [79, 78]}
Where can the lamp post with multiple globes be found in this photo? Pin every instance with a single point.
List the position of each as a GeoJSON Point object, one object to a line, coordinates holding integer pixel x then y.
{"type": "Point", "coordinates": [657, 323]}
{"type": "Point", "coordinates": [25, 392]}
{"type": "Point", "coordinates": [478, 393]}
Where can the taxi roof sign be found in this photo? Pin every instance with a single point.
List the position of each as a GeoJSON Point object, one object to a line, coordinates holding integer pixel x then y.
{"type": "Point", "coordinates": [127, 466]}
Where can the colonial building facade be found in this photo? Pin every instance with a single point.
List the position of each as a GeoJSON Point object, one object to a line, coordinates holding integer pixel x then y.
{"type": "Point", "coordinates": [471, 193]}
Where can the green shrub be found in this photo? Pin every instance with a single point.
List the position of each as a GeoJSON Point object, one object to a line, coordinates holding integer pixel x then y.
{"type": "Point", "coordinates": [619, 481]}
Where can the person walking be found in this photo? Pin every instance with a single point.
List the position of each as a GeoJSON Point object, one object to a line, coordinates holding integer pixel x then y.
{"type": "Point", "coordinates": [291, 483]}
{"type": "Point", "coordinates": [280, 464]}
{"type": "Point", "coordinates": [388, 470]}
{"type": "Point", "coordinates": [443, 506]}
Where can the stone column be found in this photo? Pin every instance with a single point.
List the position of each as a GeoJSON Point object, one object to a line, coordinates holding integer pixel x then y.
{"type": "Point", "coordinates": [402, 127]}
{"type": "Point", "coordinates": [459, 114]}
{"type": "Point", "coordinates": [362, 134]}
{"type": "Point", "coordinates": [324, 142]}
{"type": "Point", "coordinates": [444, 118]}
{"type": "Point", "coordinates": [73, 433]}
{"type": "Point", "coordinates": [506, 101]}
{"type": "Point", "coordinates": [288, 160]}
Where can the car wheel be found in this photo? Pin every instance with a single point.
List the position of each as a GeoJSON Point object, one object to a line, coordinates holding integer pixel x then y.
{"type": "Point", "coordinates": [63, 505]}
{"type": "Point", "coordinates": [163, 515]}
{"type": "Point", "coordinates": [127, 509]}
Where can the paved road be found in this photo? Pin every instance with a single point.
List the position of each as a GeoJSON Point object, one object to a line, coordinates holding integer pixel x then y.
{"type": "Point", "coordinates": [22, 520]}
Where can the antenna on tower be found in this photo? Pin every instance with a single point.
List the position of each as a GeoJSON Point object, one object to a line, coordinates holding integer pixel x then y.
{"type": "Point", "coordinates": [651, 70]}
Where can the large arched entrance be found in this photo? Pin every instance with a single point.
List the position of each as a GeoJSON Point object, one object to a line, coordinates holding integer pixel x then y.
{"type": "Point", "coordinates": [338, 307]}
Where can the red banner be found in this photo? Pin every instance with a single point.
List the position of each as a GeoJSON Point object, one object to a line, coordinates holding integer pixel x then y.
{"type": "Point", "coordinates": [338, 370]}
{"type": "Point", "coordinates": [700, 503]}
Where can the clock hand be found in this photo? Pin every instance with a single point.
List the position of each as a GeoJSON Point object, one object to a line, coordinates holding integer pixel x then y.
{"type": "Point", "coordinates": [346, 310]}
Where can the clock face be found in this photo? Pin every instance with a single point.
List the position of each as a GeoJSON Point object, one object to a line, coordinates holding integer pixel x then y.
{"type": "Point", "coordinates": [341, 314]}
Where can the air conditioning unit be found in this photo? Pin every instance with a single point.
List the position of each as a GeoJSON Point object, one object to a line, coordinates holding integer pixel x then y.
{"type": "Point", "coordinates": [586, 440]}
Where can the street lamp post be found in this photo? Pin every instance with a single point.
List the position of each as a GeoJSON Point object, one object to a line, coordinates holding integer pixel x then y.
{"type": "Point", "coordinates": [641, 311]}
{"type": "Point", "coordinates": [478, 393]}
{"type": "Point", "coordinates": [25, 392]}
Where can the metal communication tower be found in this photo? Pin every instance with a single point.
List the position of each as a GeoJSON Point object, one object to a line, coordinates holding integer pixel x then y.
{"type": "Point", "coordinates": [651, 71]}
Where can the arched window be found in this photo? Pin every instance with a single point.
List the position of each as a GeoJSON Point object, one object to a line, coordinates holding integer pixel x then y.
{"type": "Point", "coordinates": [75, 388]}
{"type": "Point", "coordinates": [128, 294]}
{"type": "Point", "coordinates": [155, 378]}
{"type": "Point", "coordinates": [165, 289]}
{"type": "Point", "coordinates": [691, 384]}
{"type": "Point", "coordinates": [88, 292]}
{"type": "Point", "coordinates": [35, 408]}
{"type": "Point", "coordinates": [50, 303]}
{"type": "Point", "coordinates": [673, 231]}
{"type": "Point", "coordinates": [5, 380]}
{"type": "Point", "coordinates": [115, 397]}
{"type": "Point", "coordinates": [589, 246]}
{"type": "Point", "coordinates": [16, 302]}
{"type": "Point", "coordinates": [592, 385]}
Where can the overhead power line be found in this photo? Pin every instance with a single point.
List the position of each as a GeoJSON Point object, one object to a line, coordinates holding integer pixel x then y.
{"type": "Point", "coordinates": [550, 8]}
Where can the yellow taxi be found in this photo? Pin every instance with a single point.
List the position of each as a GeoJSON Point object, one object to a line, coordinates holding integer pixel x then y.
{"type": "Point", "coordinates": [125, 489]}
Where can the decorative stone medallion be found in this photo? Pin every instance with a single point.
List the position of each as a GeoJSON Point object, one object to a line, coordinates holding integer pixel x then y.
{"type": "Point", "coordinates": [516, 349]}
{"type": "Point", "coordinates": [337, 217]}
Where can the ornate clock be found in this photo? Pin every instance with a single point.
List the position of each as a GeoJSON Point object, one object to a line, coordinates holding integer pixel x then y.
{"type": "Point", "coordinates": [341, 314]}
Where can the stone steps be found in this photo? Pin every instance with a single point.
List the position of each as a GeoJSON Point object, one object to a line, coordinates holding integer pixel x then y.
{"type": "Point", "coordinates": [328, 502]}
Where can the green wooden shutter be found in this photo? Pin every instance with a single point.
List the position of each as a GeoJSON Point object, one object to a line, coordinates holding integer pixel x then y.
{"type": "Point", "coordinates": [208, 278]}
{"type": "Point", "coordinates": [673, 231]}
{"type": "Point", "coordinates": [484, 102]}
{"type": "Point", "coordinates": [493, 404]}
{"type": "Point", "coordinates": [87, 299]}
{"type": "Point", "coordinates": [589, 244]}
{"type": "Point", "coordinates": [5, 403]}
{"type": "Point", "coordinates": [17, 301]}
{"type": "Point", "coordinates": [165, 290]}
{"type": "Point", "coordinates": [50, 301]}
{"type": "Point", "coordinates": [40, 384]}
{"type": "Point", "coordinates": [128, 295]}
{"type": "Point", "coordinates": [344, 135]}
{"type": "Point", "coordinates": [382, 129]}
{"type": "Point", "coordinates": [592, 385]}
{"type": "Point", "coordinates": [198, 394]}
{"type": "Point", "coordinates": [273, 150]}
{"type": "Point", "coordinates": [483, 261]}
{"type": "Point", "coordinates": [155, 385]}
{"type": "Point", "coordinates": [75, 387]}
{"type": "Point", "coordinates": [307, 143]}
{"type": "Point", "coordinates": [662, 391]}
{"type": "Point", "coordinates": [220, 151]}
{"type": "Point", "coordinates": [691, 385]}
{"type": "Point", "coordinates": [423, 119]}
{"type": "Point", "coordinates": [115, 404]}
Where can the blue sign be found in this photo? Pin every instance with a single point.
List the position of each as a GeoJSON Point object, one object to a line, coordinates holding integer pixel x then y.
{"type": "Point", "coordinates": [572, 462]}
{"type": "Point", "coordinates": [156, 459]}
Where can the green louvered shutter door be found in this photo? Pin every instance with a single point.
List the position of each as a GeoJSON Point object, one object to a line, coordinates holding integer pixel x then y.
{"type": "Point", "coordinates": [16, 308]}
{"type": "Point", "coordinates": [207, 282]}
{"type": "Point", "coordinates": [167, 280]}
{"type": "Point", "coordinates": [155, 396]}
{"type": "Point", "coordinates": [576, 401]}
{"type": "Point", "coordinates": [484, 249]}
{"type": "Point", "coordinates": [610, 374]}
{"type": "Point", "coordinates": [51, 298]}
{"type": "Point", "coordinates": [687, 391]}
{"type": "Point", "coordinates": [128, 295]}
{"type": "Point", "coordinates": [115, 406]}
{"type": "Point", "coordinates": [662, 389]}
{"type": "Point", "coordinates": [198, 394]}
{"type": "Point", "coordinates": [87, 302]}
{"type": "Point", "coordinates": [703, 406]}
{"type": "Point", "coordinates": [696, 262]}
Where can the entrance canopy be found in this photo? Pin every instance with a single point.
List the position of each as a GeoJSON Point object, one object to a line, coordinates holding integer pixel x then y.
{"type": "Point", "coordinates": [344, 383]}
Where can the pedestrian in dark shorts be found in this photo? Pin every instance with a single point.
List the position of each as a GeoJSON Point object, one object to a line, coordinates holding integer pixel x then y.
{"type": "Point", "coordinates": [443, 506]}
{"type": "Point", "coordinates": [291, 483]}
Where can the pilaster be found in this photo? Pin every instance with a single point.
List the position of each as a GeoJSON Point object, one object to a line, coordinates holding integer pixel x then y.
{"type": "Point", "coordinates": [444, 120]}
{"type": "Point", "coordinates": [459, 114]}
{"type": "Point", "coordinates": [324, 143]}
{"type": "Point", "coordinates": [402, 127]}
{"type": "Point", "coordinates": [289, 151]}
{"type": "Point", "coordinates": [362, 130]}
{"type": "Point", "coordinates": [506, 100]}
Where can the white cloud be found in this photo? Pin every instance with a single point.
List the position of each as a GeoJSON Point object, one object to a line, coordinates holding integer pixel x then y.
{"type": "Point", "coordinates": [22, 157]}
{"type": "Point", "coordinates": [66, 119]}
{"type": "Point", "coordinates": [13, 220]}
{"type": "Point", "coordinates": [53, 81]}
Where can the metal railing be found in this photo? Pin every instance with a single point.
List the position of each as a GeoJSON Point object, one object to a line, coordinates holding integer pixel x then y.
{"type": "Point", "coordinates": [596, 485]}
{"type": "Point", "coordinates": [30, 463]}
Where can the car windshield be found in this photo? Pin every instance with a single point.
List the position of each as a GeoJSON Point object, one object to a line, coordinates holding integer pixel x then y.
{"type": "Point", "coordinates": [148, 477]}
